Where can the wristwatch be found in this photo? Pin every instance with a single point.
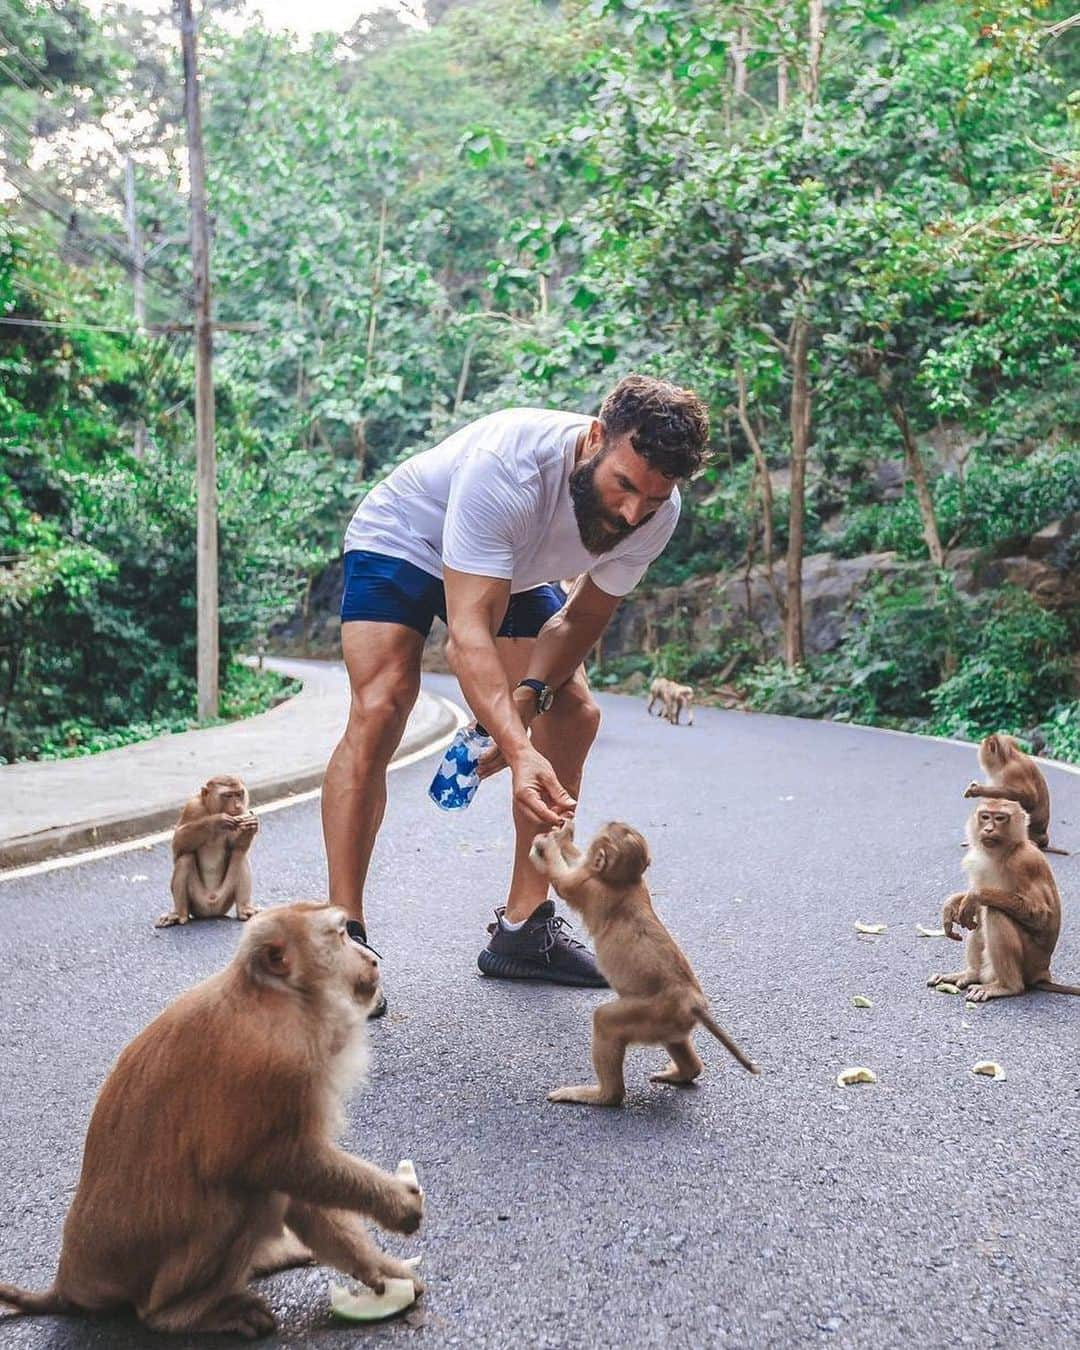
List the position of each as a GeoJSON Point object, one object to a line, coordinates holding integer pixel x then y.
{"type": "Point", "coordinates": [545, 695]}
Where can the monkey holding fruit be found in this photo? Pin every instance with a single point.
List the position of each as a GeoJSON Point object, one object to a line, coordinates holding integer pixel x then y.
{"type": "Point", "coordinates": [659, 1000]}
{"type": "Point", "coordinates": [210, 1155]}
{"type": "Point", "coordinates": [1012, 909]}
{"type": "Point", "coordinates": [211, 843]}
{"type": "Point", "coordinates": [1015, 777]}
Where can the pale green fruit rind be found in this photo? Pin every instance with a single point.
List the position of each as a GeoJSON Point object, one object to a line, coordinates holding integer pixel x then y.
{"type": "Point", "coordinates": [860, 1002]}
{"type": "Point", "coordinates": [861, 927]}
{"type": "Point", "coordinates": [989, 1068]}
{"type": "Point", "coordinates": [369, 1307]}
{"type": "Point", "coordinates": [856, 1074]}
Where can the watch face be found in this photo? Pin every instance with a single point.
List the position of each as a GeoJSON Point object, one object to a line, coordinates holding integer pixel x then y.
{"type": "Point", "coordinates": [545, 699]}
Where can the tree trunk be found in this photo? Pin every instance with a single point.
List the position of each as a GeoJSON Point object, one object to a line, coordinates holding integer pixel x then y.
{"type": "Point", "coordinates": [376, 287]}
{"type": "Point", "coordinates": [917, 473]}
{"type": "Point", "coordinates": [762, 466]}
{"type": "Point", "coordinates": [800, 441]}
{"type": "Point", "coordinates": [781, 83]}
{"type": "Point", "coordinates": [359, 440]}
{"type": "Point", "coordinates": [813, 51]}
{"type": "Point", "coordinates": [738, 56]}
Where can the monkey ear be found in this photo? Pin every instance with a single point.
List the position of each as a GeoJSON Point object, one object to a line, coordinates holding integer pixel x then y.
{"type": "Point", "coordinates": [271, 959]}
{"type": "Point", "coordinates": [599, 860]}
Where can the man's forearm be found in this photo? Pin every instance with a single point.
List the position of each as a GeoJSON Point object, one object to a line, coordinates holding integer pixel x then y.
{"type": "Point", "coordinates": [562, 645]}
{"type": "Point", "coordinates": [475, 661]}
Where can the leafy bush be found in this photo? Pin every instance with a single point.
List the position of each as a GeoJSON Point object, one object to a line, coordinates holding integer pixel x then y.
{"type": "Point", "coordinates": [997, 499]}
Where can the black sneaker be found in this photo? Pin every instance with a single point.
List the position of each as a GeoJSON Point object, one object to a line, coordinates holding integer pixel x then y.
{"type": "Point", "coordinates": [540, 950]}
{"type": "Point", "coordinates": [358, 933]}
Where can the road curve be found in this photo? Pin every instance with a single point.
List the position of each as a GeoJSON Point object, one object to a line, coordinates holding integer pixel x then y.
{"type": "Point", "coordinates": [781, 1211]}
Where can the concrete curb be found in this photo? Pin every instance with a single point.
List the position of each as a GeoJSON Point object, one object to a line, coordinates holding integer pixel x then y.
{"type": "Point", "coordinates": [433, 721]}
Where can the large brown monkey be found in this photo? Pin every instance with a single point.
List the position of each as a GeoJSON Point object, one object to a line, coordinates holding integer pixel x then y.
{"type": "Point", "coordinates": [211, 868]}
{"type": "Point", "coordinates": [1015, 777]}
{"type": "Point", "coordinates": [1012, 909]}
{"type": "Point", "coordinates": [210, 1152]}
{"type": "Point", "coordinates": [659, 999]}
{"type": "Point", "coordinates": [673, 699]}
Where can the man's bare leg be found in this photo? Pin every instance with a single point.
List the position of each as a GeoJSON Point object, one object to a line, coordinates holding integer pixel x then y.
{"type": "Point", "coordinates": [564, 736]}
{"type": "Point", "coordinates": [383, 661]}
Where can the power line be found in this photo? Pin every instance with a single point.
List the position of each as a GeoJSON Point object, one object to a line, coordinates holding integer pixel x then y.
{"type": "Point", "coordinates": [16, 322]}
{"type": "Point", "coordinates": [95, 241]}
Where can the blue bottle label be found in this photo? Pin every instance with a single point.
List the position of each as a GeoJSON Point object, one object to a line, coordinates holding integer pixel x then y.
{"type": "Point", "coordinates": [456, 780]}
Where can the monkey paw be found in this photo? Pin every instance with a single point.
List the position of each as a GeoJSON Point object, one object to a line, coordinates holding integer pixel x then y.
{"type": "Point", "coordinates": [248, 912]}
{"type": "Point", "coordinates": [972, 789]}
{"type": "Point", "coordinates": [168, 920]}
{"type": "Point", "coordinates": [586, 1095]}
{"type": "Point", "coordinates": [672, 1074]}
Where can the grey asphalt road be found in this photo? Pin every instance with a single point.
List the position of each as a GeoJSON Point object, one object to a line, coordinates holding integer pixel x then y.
{"type": "Point", "coordinates": [933, 1208]}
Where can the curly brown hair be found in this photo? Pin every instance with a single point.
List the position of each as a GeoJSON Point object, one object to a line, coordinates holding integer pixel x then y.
{"type": "Point", "coordinates": [668, 426]}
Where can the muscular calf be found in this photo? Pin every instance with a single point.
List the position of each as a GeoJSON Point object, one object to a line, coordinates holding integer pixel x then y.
{"type": "Point", "coordinates": [659, 999]}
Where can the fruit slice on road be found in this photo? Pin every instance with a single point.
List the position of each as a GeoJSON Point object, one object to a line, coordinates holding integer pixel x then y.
{"type": "Point", "coordinates": [929, 932]}
{"type": "Point", "coordinates": [369, 1307]}
{"type": "Point", "coordinates": [856, 1074]}
{"type": "Point", "coordinates": [946, 988]}
{"type": "Point", "coordinates": [989, 1068]}
{"type": "Point", "coordinates": [870, 927]}
{"type": "Point", "coordinates": [860, 1001]}
{"type": "Point", "coordinates": [406, 1170]}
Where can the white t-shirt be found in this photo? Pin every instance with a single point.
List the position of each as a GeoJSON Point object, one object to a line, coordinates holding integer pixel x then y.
{"type": "Point", "coordinates": [493, 500]}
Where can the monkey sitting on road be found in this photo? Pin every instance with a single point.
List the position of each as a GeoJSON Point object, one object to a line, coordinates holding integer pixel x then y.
{"type": "Point", "coordinates": [659, 999]}
{"type": "Point", "coordinates": [211, 868]}
{"type": "Point", "coordinates": [673, 698]}
{"type": "Point", "coordinates": [1012, 909]}
{"type": "Point", "coordinates": [210, 1153]}
{"type": "Point", "coordinates": [1015, 777]}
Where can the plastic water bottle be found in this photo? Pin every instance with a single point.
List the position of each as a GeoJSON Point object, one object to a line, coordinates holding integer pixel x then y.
{"type": "Point", "coordinates": [456, 780]}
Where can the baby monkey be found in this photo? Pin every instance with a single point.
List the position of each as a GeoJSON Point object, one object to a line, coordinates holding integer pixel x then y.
{"type": "Point", "coordinates": [659, 999]}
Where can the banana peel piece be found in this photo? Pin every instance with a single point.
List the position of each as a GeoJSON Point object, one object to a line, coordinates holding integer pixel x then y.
{"type": "Point", "coordinates": [860, 1001]}
{"type": "Point", "coordinates": [856, 1074]}
{"type": "Point", "coordinates": [989, 1068]}
{"type": "Point", "coordinates": [929, 932]}
{"type": "Point", "coordinates": [861, 927]}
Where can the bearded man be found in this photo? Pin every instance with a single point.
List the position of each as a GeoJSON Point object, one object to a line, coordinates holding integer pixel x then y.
{"type": "Point", "coordinates": [475, 530]}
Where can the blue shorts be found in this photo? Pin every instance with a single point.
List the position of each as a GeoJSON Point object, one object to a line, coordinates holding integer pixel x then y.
{"type": "Point", "coordinates": [381, 589]}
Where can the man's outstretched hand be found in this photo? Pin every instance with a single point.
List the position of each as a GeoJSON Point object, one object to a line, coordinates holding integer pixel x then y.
{"type": "Point", "coordinates": [537, 790]}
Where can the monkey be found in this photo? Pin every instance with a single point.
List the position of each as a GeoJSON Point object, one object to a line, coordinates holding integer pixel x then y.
{"type": "Point", "coordinates": [210, 1153]}
{"type": "Point", "coordinates": [1015, 777]}
{"type": "Point", "coordinates": [1012, 909]}
{"type": "Point", "coordinates": [673, 698]}
{"type": "Point", "coordinates": [659, 1000]}
{"type": "Point", "coordinates": [211, 843]}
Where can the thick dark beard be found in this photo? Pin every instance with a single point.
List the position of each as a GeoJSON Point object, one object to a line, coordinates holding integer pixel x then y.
{"type": "Point", "coordinates": [599, 532]}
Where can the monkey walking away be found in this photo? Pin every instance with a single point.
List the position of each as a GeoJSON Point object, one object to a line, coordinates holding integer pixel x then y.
{"type": "Point", "coordinates": [659, 999]}
{"type": "Point", "coordinates": [211, 844]}
{"type": "Point", "coordinates": [1015, 777]}
{"type": "Point", "coordinates": [210, 1153]}
{"type": "Point", "coordinates": [673, 699]}
{"type": "Point", "coordinates": [1012, 909]}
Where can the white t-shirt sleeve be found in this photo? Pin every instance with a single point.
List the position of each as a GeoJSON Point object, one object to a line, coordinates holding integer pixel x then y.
{"type": "Point", "coordinates": [488, 517]}
{"type": "Point", "coordinates": [619, 575]}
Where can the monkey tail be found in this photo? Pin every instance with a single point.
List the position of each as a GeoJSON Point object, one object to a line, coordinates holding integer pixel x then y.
{"type": "Point", "coordinates": [27, 1301]}
{"type": "Point", "coordinates": [1062, 852]}
{"type": "Point", "coordinates": [710, 1024]}
{"type": "Point", "coordinates": [1052, 987]}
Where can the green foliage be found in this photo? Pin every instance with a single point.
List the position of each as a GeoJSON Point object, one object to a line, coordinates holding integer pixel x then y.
{"type": "Point", "coordinates": [245, 692]}
{"type": "Point", "coordinates": [924, 658]}
{"type": "Point", "coordinates": [998, 498]}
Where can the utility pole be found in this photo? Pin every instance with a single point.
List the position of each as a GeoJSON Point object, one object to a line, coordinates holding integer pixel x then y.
{"type": "Point", "coordinates": [206, 472]}
{"type": "Point", "coordinates": [137, 278]}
